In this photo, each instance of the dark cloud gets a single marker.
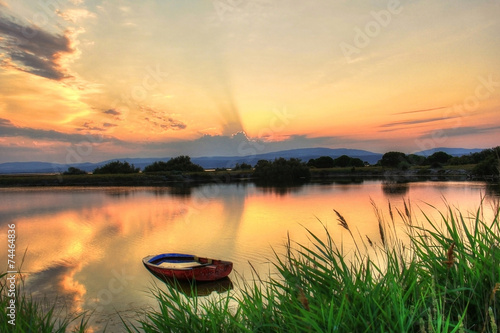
(423, 110)
(109, 125)
(460, 131)
(5, 122)
(89, 125)
(112, 112)
(7, 129)
(161, 120)
(32, 49)
(394, 126)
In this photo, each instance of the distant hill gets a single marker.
(212, 162)
(450, 151)
(305, 154)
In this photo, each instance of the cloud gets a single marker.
(423, 110)
(161, 120)
(460, 131)
(112, 112)
(7, 129)
(75, 15)
(240, 144)
(5, 122)
(89, 125)
(404, 123)
(33, 50)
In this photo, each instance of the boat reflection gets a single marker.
(197, 288)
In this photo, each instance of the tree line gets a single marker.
(486, 163)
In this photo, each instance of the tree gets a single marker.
(342, 161)
(281, 170)
(242, 166)
(321, 162)
(116, 167)
(438, 158)
(393, 159)
(357, 162)
(74, 171)
(416, 159)
(180, 163)
(490, 165)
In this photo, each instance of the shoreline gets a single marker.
(227, 176)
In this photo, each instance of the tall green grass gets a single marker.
(36, 316)
(442, 276)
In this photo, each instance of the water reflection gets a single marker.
(493, 189)
(391, 188)
(279, 190)
(198, 289)
(57, 282)
(85, 245)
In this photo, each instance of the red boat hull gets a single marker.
(205, 270)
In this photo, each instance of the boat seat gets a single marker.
(177, 265)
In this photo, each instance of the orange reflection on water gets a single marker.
(86, 245)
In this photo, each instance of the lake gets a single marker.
(84, 245)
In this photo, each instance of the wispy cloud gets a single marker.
(112, 112)
(33, 50)
(419, 111)
(161, 120)
(461, 131)
(8, 129)
(393, 126)
(76, 14)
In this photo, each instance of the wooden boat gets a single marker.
(181, 267)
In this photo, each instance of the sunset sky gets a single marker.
(85, 80)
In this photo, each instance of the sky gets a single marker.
(86, 81)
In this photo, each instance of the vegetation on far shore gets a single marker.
(444, 278)
(481, 165)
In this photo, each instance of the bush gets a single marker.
(321, 162)
(74, 171)
(242, 166)
(438, 158)
(281, 170)
(180, 163)
(116, 167)
(393, 159)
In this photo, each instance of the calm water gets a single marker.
(85, 245)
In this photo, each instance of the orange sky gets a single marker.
(93, 80)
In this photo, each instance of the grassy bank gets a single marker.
(446, 278)
(20, 313)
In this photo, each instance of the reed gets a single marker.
(446, 278)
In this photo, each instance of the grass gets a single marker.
(35, 316)
(444, 278)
